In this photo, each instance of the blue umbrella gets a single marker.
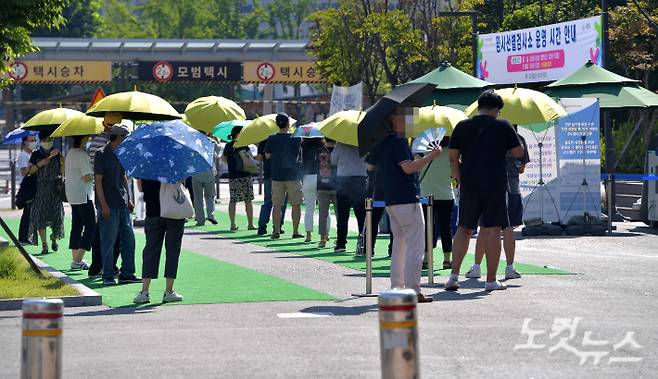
(17, 135)
(166, 151)
(308, 131)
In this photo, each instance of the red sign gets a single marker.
(265, 72)
(18, 71)
(163, 71)
(98, 95)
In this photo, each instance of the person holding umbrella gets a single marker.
(396, 166)
(478, 149)
(47, 163)
(240, 183)
(28, 144)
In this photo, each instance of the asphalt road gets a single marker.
(469, 334)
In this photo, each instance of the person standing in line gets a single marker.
(203, 185)
(115, 207)
(375, 189)
(515, 167)
(398, 169)
(436, 180)
(283, 149)
(326, 187)
(96, 144)
(79, 193)
(47, 210)
(266, 208)
(478, 148)
(28, 145)
(240, 183)
(310, 166)
(351, 176)
(158, 230)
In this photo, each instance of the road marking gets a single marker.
(305, 314)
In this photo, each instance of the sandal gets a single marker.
(234, 228)
(54, 243)
(44, 249)
(447, 265)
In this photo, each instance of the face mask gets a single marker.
(32, 145)
(47, 145)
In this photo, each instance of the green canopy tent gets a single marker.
(454, 88)
(615, 92)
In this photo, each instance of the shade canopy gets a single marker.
(611, 96)
(591, 74)
(448, 77)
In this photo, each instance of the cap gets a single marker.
(119, 130)
(112, 118)
(282, 120)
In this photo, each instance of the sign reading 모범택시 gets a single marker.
(168, 71)
(544, 53)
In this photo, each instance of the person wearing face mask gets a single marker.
(28, 145)
(79, 192)
(47, 210)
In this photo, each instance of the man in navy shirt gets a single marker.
(478, 149)
(397, 168)
(283, 149)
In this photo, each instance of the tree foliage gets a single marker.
(18, 20)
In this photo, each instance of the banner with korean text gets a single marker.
(281, 72)
(61, 71)
(571, 183)
(540, 54)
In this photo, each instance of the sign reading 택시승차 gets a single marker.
(26, 71)
(540, 54)
(168, 71)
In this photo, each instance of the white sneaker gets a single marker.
(494, 286)
(142, 298)
(452, 285)
(511, 273)
(474, 273)
(170, 297)
(82, 265)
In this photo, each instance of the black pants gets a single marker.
(24, 226)
(159, 230)
(441, 218)
(83, 226)
(351, 194)
(97, 259)
(377, 214)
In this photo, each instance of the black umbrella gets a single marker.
(373, 128)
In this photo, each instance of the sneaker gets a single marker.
(199, 224)
(82, 265)
(297, 235)
(54, 244)
(494, 286)
(511, 273)
(129, 279)
(261, 232)
(322, 244)
(275, 236)
(423, 299)
(339, 249)
(142, 298)
(95, 275)
(452, 285)
(474, 273)
(170, 297)
(109, 282)
(212, 220)
(447, 265)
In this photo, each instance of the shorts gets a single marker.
(515, 209)
(488, 209)
(291, 187)
(241, 189)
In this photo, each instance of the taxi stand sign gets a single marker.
(61, 71)
(281, 72)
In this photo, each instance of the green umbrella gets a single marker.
(613, 91)
(223, 129)
(454, 88)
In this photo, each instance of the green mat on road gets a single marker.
(201, 280)
(380, 263)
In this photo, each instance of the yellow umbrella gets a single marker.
(50, 119)
(435, 116)
(135, 105)
(79, 126)
(525, 106)
(207, 112)
(342, 127)
(259, 129)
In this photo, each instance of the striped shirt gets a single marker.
(97, 144)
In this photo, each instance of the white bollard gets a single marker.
(41, 353)
(398, 334)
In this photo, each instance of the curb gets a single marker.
(87, 297)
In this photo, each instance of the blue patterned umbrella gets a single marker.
(308, 131)
(166, 151)
(17, 135)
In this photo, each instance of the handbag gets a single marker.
(175, 202)
(249, 165)
(27, 191)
